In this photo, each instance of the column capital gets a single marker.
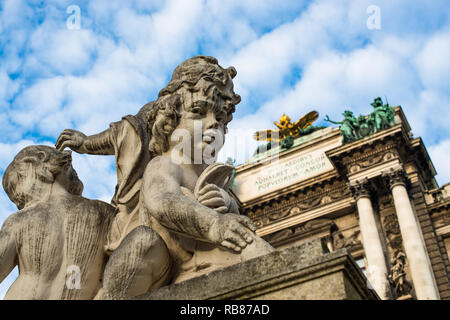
(394, 177)
(360, 188)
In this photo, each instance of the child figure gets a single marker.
(183, 198)
(57, 238)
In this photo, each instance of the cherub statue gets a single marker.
(347, 127)
(187, 203)
(57, 237)
(176, 219)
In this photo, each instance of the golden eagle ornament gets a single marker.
(286, 128)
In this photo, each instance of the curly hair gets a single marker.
(44, 163)
(162, 116)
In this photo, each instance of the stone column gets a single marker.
(420, 267)
(376, 263)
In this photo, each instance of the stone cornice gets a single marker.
(298, 203)
(315, 212)
(317, 227)
(396, 131)
(370, 152)
(438, 207)
(370, 157)
(395, 144)
(419, 155)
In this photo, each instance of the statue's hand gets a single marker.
(232, 231)
(327, 118)
(215, 198)
(72, 139)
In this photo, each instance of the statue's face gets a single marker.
(204, 117)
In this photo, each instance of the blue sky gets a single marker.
(291, 56)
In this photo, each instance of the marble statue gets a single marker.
(174, 217)
(57, 238)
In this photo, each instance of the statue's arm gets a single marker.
(8, 254)
(100, 143)
(162, 198)
(328, 120)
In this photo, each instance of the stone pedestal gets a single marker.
(303, 272)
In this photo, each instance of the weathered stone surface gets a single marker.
(57, 237)
(306, 271)
(171, 218)
(175, 218)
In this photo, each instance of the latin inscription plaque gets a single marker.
(279, 174)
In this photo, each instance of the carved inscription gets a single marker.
(280, 174)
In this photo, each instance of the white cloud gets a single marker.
(334, 82)
(9, 150)
(440, 156)
(97, 174)
(39, 100)
(8, 88)
(14, 12)
(433, 62)
(410, 69)
(62, 50)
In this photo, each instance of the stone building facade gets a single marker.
(375, 196)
